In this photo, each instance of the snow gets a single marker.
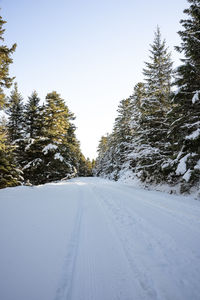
(187, 175)
(90, 238)
(197, 166)
(30, 141)
(48, 148)
(59, 156)
(181, 168)
(194, 135)
(33, 163)
(3, 115)
(195, 97)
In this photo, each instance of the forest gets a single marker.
(155, 137)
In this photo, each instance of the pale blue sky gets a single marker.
(91, 52)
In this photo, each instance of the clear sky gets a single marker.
(91, 52)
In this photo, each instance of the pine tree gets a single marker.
(85, 166)
(15, 113)
(34, 139)
(32, 115)
(138, 145)
(121, 136)
(52, 151)
(9, 174)
(185, 129)
(154, 107)
(132, 159)
(5, 61)
(15, 125)
(158, 73)
(101, 162)
(59, 148)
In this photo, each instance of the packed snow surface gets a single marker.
(93, 239)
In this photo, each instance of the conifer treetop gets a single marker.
(158, 70)
(5, 61)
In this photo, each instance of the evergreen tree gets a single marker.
(85, 166)
(56, 151)
(158, 73)
(132, 159)
(101, 163)
(32, 116)
(9, 174)
(5, 61)
(121, 136)
(34, 140)
(154, 106)
(51, 150)
(15, 124)
(138, 145)
(185, 129)
(15, 113)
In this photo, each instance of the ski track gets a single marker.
(138, 235)
(115, 242)
(64, 290)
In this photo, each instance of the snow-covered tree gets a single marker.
(121, 135)
(185, 129)
(54, 147)
(5, 61)
(9, 174)
(155, 103)
(15, 113)
(158, 73)
(32, 116)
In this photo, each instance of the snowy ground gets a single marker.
(92, 239)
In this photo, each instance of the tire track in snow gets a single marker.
(145, 282)
(100, 273)
(137, 235)
(191, 219)
(64, 290)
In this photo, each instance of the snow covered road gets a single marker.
(92, 239)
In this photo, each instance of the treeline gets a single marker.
(156, 135)
(37, 142)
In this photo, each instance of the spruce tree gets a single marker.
(132, 159)
(158, 72)
(9, 174)
(5, 61)
(154, 107)
(15, 125)
(101, 162)
(15, 113)
(121, 136)
(32, 123)
(60, 148)
(33, 141)
(84, 166)
(185, 128)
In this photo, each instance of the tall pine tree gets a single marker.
(32, 122)
(5, 61)
(15, 113)
(58, 148)
(9, 174)
(185, 129)
(154, 107)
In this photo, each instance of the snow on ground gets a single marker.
(93, 239)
